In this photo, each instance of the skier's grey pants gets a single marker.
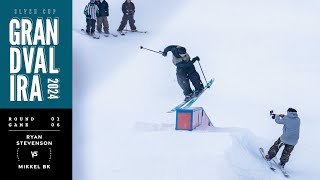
(102, 20)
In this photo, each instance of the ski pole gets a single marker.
(160, 52)
(203, 73)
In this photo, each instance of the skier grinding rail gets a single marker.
(186, 71)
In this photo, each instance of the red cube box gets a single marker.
(190, 118)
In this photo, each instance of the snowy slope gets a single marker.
(263, 54)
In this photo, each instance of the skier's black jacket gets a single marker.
(175, 53)
(128, 8)
(103, 8)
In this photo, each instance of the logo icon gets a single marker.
(34, 153)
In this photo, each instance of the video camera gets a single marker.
(272, 114)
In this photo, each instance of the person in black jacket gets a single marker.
(128, 10)
(185, 70)
(102, 16)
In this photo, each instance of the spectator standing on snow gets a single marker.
(91, 11)
(102, 19)
(128, 10)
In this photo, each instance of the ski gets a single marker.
(268, 162)
(177, 107)
(194, 99)
(94, 36)
(107, 35)
(284, 172)
(114, 35)
(135, 31)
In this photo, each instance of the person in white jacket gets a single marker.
(91, 11)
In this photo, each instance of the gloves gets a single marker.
(196, 58)
(164, 54)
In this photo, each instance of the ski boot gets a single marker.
(197, 92)
(95, 36)
(281, 164)
(120, 32)
(267, 157)
(188, 97)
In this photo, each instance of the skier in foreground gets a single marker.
(185, 71)
(289, 138)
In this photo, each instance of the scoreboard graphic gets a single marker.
(36, 89)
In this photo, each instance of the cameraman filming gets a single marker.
(289, 137)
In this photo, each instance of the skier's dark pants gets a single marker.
(124, 21)
(91, 25)
(186, 74)
(285, 153)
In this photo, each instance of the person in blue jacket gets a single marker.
(185, 70)
(289, 137)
